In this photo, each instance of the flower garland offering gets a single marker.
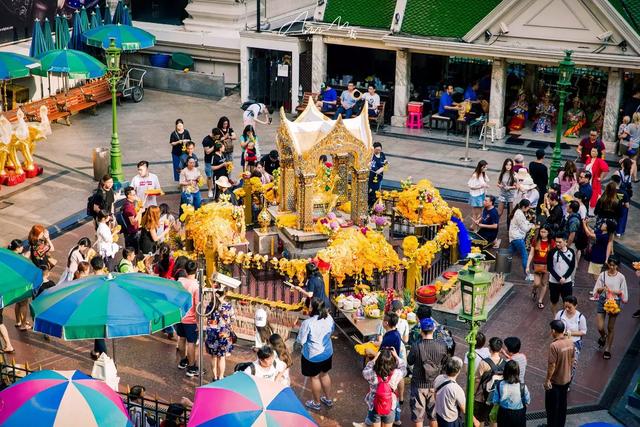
(424, 255)
(611, 306)
(328, 224)
(214, 224)
(636, 265)
(286, 220)
(357, 253)
(421, 203)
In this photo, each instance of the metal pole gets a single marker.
(116, 153)
(471, 373)
(200, 325)
(557, 153)
(466, 158)
(484, 139)
(257, 16)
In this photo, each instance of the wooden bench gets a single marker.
(11, 115)
(75, 101)
(56, 112)
(440, 119)
(305, 101)
(32, 110)
(97, 91)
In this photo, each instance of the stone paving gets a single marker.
(144, 130)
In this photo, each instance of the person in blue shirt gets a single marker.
(447, 107)
(317, 353)
(391, 337)
(584, 184)
(488, 223)
(328, 98)
(470, 92)
(347, 102)
(376, 171)
(314, 287)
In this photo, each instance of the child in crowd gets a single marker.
(166, 221)
(263, 329)
(250, 156)
(97, 266)
(266, 366)
(282, 354)
(391, 336)
(511, 351)
(46, 282)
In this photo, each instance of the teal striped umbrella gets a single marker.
(84, 19)
(48, 38)
(75, 42)
(77, 64)
(118, 14)
(111, 306)
(95, 21)
(38, 43)
(127, 38)
(19, 277)
(62, 32)
(15, 66)
(106, 18)
(126, 17)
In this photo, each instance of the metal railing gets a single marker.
(154, 409)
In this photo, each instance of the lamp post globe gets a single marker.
(565, 72)
(474, 286)
(112, 55)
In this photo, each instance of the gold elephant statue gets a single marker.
(23, 141)
(7, 156)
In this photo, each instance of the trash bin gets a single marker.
(101, 162)
(504, 260)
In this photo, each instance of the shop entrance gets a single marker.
(270, 77)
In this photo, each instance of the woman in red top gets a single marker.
(599, 169)
(540, 247)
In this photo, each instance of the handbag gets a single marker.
(233, 337)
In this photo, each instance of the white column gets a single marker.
(318, 62)
(295, 78)
(244, 72)
(612, 108)
(401, 89)
(497, 97)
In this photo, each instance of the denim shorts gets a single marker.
(207, 170)
(476, 201)
(373, 417)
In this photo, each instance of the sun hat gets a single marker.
(223, 181)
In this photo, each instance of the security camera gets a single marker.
(487, 35)
(605, 36)
(504, 28)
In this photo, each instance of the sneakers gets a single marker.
(193, 371)
(326, 401)
(636, 314)
(183, 363)
(210, 194)
(311, 404)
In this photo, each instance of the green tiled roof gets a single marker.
(444, 18)
(630, 11)
(361, 13)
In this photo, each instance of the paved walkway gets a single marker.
(144, 131)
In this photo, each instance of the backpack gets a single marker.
(242, 366)
(625, 184)
(487, 380)
(383, 399)
(246, 105)
(431, 369)
(90, 203)
(521, 391)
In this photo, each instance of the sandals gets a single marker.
(6, 351)
(606, 355)
(540, 305)
(26, 327)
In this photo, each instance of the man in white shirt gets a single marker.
(144, 181)
(266, 366)
(373, 100)
(450, 400)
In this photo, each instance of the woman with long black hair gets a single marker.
(518, 230)
(478, 184)
(507, 187)
(224, 133)
(77, 254)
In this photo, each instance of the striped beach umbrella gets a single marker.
(118, 305)
(38, 43)
(15, 66)
(243, 400)
(127, 38)
(61, 398)
(84, 19)
(19, 277)
(77, 64)
(48, 38)
(75, 42)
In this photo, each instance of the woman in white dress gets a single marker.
(77, 254)
(105, 245)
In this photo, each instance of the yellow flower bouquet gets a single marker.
(421, 203)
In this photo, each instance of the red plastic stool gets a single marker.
(414, 121)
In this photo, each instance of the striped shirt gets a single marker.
(430, 352)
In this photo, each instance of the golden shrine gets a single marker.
(301, 143)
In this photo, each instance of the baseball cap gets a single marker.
(261, 318)
(427, 324)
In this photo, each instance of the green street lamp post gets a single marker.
(565, 71)
(112, 54)
(474, 285)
